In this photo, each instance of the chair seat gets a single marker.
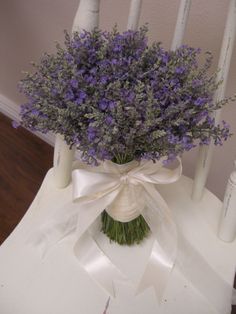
(56, 284)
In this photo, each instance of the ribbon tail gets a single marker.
(89, 255)
(157, 272)
(219, 293)
(97, 264)
(75, 216)
(163, 254)
(60, 225)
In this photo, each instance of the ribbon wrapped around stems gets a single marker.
(133, 185)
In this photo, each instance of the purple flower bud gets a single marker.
(82, 94)
(35, 112)
(69, 95)
(74, 83)
(111, 104)
(114, 61)
(54, 92)
(92, 152)
(103, 104)
(196, 83)
(91, 133)
(165, 58)
(69, 58)
(180, 70)
(15, 124)
(109, 120)
(200, 101)
(103, 79)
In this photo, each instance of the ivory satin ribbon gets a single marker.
(126, 191)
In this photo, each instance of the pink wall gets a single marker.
(29, 27)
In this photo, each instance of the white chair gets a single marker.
(57, 284)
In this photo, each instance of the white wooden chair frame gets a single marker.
(56, 284)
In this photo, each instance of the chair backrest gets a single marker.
(87, 17)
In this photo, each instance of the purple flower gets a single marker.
(180, 70)
(111, 104)
(69, 58)
(92, 152)
(205, 141)
(82, 96)
(104, 154)
(15, 124)
(74, 83)
(172, 139)
(165, 58)
(225, 124)
(91, 133)
(114, 61)
(93, 70)
(103, 104)
(171, 157)
(78, 101)
(91, 80)
(109, 120)
(196, 83)
(200, 101)
(131, 97)
(54, 91)
(35, 112)
(174, 81)
(80, 72)
(210, 120)
(104, 79)
(69, 95)
(117, 48)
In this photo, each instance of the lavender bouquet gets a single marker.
(114, 97)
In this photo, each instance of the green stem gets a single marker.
(125, 233)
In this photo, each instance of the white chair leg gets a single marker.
(134, 14)
(227, 225)
(62, 162)
(181, 22)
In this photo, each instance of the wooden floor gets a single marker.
(24, 161)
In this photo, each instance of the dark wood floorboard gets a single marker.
(24, 161)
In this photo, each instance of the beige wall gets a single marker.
(29, 27)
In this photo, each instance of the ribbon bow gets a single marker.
(125, 192)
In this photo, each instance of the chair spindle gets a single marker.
(206, 152)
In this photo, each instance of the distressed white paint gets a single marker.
(134, 14)
(227, 226)
(87, 18)
(62, 162)
(206, 152)
(181, 22)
